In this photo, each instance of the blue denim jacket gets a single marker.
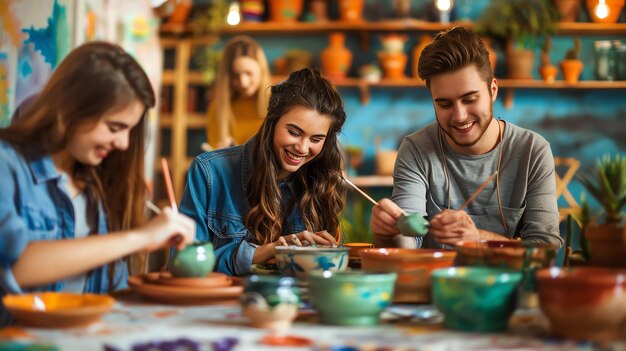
(35, 205)
(215, 196)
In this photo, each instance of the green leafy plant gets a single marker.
(573, 53)
(520, 21)
(607, 185)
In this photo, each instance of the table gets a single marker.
(135, 321)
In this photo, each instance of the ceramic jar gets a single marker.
(351, 10)
(194, 261)
(285, 10)
(392, 58)
(336, 58)
(270, 302)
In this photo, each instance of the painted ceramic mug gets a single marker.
(194, 261)
(270, 302)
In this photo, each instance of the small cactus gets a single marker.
(573, 53)
(545, 52)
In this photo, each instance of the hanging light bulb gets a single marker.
(601, 10)
(234, 16)
(444, 7)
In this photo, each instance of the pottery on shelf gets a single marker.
(194, 261)
(270, 302)
(285, 10)
(351, 10)
(424, 40)
(336, 58)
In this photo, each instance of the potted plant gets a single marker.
(547, 70)
(517, 24)
(571, 66)
(608, 186)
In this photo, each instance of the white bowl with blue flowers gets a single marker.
(299, 261)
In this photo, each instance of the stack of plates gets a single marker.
(161, 287)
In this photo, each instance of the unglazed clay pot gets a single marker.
(585, 303)
(413, 267)
(336, 58)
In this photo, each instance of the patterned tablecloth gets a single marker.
(404, 327)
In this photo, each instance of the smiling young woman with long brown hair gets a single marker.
(72, 168)
(282, 186)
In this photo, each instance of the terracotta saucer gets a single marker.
(295, 341)
(148, 287)
(213, 280)
(60, 310)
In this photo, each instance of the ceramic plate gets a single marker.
(147, 286)
(61, 310)
(213, 280)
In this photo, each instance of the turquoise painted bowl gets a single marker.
(194, 261)
(350, 298)
(298, 261)
(476, 298)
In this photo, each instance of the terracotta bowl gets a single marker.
(413, 267)
(499, 254)
(59, 310)
(299, 261)
(476, 298)
(584, 303)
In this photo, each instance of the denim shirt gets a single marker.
(35, 205)
(215, 196)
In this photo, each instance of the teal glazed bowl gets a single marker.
(194, 261)
(350, 298)
(298, 261)
(476, 298)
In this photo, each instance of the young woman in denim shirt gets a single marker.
(281, 187)
(72, 168)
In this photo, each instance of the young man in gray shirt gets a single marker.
(441, 165)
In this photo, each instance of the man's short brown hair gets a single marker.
(452, 50)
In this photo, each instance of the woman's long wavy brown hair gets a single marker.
(94, 79)
(320, 194)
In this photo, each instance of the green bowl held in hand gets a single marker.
(413, 224)
(194, 261)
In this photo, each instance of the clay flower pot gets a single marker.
(571, 70)
(548, 73)
(285, 10)
(606, 245)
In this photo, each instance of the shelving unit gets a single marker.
(182, 39)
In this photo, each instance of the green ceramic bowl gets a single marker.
(476, 298)
(413, 224)
(350, 298)
(194, 261)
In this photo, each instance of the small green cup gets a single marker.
(413, 224)
(194, 261)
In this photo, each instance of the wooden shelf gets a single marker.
(510, 84)
(280, 28)
(193, 120)
(372, 181)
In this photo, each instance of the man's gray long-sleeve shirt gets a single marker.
(527, 183)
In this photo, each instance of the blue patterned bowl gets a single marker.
(298, 261)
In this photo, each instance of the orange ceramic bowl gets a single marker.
(413, 267)
(356, 248)
(497, 254)
(584, 303)
(61, 310)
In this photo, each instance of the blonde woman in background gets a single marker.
(240, 94)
